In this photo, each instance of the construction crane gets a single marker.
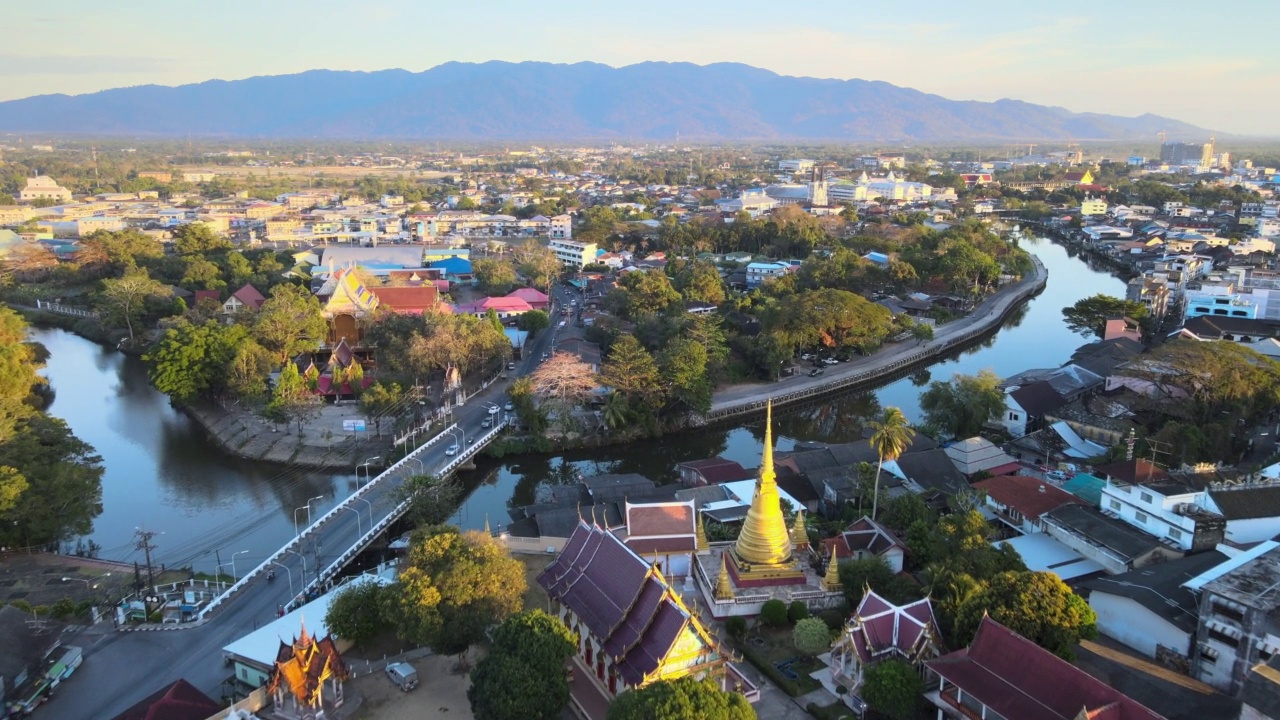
(1162, 134)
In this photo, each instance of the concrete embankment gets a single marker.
(890, 361)
(247, 436)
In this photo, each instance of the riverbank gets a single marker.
(322, 444)
(892, 359)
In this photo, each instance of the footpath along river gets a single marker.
(162, 474)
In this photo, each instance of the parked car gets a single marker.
(403, 675)
(508, 407)
(452, 450)
(816, 372)
(511, 366)
(830, 361)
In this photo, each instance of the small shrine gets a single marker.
(766, 561)
(308, 678)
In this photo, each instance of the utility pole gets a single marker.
(144, 544)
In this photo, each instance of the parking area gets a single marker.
(441, 694)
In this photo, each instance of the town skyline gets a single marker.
(1108, 61)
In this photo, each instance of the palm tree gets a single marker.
(891, 436)
(615, 410)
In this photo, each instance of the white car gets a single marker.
(453, 449)
(830, 361)
(508, 407)
(493, 409)
(807, 356)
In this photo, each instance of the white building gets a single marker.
(759, 272)
(44, 187)
(802, 165)
(561, 227)
(572, 253)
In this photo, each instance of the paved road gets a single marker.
(988, 312)
(122, 668)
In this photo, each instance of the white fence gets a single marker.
(60, 309)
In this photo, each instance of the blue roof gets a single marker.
(1086, 487)
(453, 265)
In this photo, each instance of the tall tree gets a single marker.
(379, 401)
(290, 322)
(198, 239)
(523, 676)
(291, 400)
(632, 371)
(684, 367)
(112, 252)
(535, 261)
(125, 298)
(682, 699)
(357, 613)
(643, 293)
(891, 435)
(893, 689)
(494, 277)
(964, 404)
(564, 380)
(1036, 605)
(64, 484)
(1088, 316)
(454, 586)
(192, 361)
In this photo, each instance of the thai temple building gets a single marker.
(879, 630)
(302, 671)
(768, 560)
(634, 628)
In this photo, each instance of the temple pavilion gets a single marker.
(768, 560)
(302, 670)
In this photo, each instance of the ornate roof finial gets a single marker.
(799, 534)
(703, 545)
(764, 539)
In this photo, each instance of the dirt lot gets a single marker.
(37, 578)
(442, 695)
(535, 596)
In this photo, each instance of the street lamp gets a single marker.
(358, 525)
(365, 465)
(366, 502)
(306, 507)
(304, 566)
(234, 574)
(288, 575)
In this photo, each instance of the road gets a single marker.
(122, 668)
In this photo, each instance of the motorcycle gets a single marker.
(271, 575)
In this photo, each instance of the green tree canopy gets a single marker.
(125, 299)
(379, 402)
(643, 293)
(533, 321)
(193, 361)
(198, 239)
(523, 676)
(1088, 316)
(961, 406)
(698, 281)
(290, 322)
(537, 264)
(494, 276)
(682, 699)
(63, 492)
(632, 371)
(684, 368)
(357, 612)
(1036, 605)
(893, 689)
(454, 586)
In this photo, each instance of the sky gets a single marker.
(1186, 59)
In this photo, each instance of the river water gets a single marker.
(163, 475)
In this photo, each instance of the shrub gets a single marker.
(833, 618)
(774, 613)
(811, 637)
(736, 626)
(797, 611)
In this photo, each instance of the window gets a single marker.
(1175, 534)
(1147, 498)
(1140, 517)
(1115, 504)
(1225, 639)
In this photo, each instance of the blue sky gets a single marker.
(1195, 61)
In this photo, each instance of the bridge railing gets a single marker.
(323, 576)
(295, 542)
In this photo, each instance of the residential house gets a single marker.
(246, 298)
(1102, 420)
(1018, 501)
(1026, 406)
(1257, 335)
(713, 471)
(504, 307)
(1146, 497)
(979, 455)
(633, 627)
(864, 539)
(1252, 511)
(760, 272)
(1239, 617)
(1112, 543)
(877, 631)
(1101, 358)
(537, 299)
(561, 227)
(1006, 676)
(663, 533)
(1150, 609)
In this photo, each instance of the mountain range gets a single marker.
(502, 101)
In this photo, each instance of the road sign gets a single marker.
(353, 426)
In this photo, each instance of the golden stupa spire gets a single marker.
(764, 539)
(724, 588)
(832, 579)
(703, 545)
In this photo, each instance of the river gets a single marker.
(163, 475)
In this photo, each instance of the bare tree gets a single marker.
(564, 380)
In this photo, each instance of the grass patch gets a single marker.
(766, 647)
(534, 596)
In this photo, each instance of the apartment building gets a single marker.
(1239, 617)
(572, 253)
(44, 187)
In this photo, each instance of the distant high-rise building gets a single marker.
(1184, 153)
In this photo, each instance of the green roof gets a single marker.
(1086, 487)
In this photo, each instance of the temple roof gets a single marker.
(178, 701)
(878, 627)
(622, 600)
